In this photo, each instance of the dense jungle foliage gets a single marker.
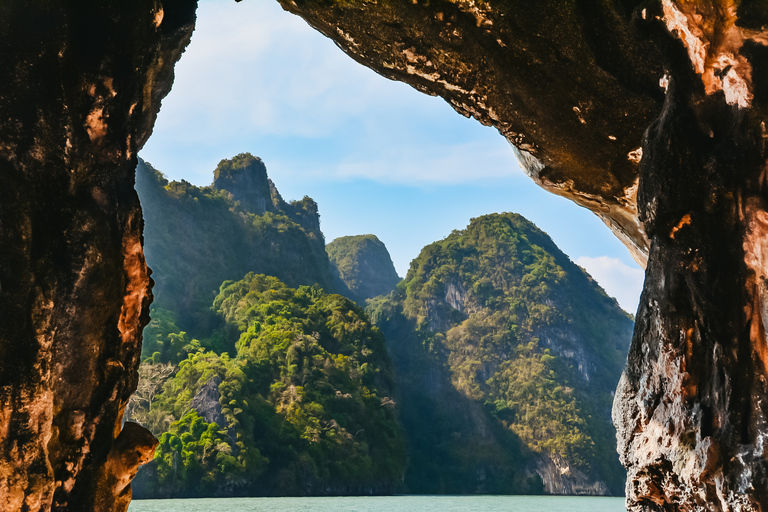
(198, 237)
(503, 353)
(363, 265)
(502, 318)
(304, 406)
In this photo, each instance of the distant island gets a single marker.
(277, 365)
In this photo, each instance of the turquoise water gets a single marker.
(387, 504)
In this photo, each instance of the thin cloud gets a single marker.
(619, 280)
(251, 66)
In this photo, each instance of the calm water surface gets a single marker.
(387, 504)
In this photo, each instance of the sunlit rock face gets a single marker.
(691, 408)
(651, 114)
(80, 86)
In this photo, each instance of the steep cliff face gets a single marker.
(81, 85)
(691, 407)
(245, 178)
(525, 343)
(198, 237)
(363, 266)
(560, 476)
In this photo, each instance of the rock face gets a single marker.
(81, 86)
(560, 477)
(496, 326)
(198, 237)
(363, 265)
(245, 177)
(651, 114)
(206, 402)
(691, 408)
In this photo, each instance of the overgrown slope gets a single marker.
(497, 322)
(363, 266)
(198, 237)
(303, 408)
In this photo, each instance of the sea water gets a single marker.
(387, 504)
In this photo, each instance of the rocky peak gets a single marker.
(245, 177)
(363, 266)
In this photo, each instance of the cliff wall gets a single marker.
(81, 86)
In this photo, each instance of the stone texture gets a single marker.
(690, 410)
(651, 114)
(206, 402)
(81, 86)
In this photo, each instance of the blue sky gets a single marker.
(377, 156)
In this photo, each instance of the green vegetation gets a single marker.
(512, 325)
(198, 237)
(363, 267)
(303, 408)
(196, 451)
(504, 354)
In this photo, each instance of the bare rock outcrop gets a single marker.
(559, 477)
(206, 402)
(81, 84)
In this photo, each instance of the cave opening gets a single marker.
(355, 142)
(650, 114)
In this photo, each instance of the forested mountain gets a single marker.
(363, 266)
(303, 407)
(490, 369)
(506, 355)
(197, 237)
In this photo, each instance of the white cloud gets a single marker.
(619, 280)
(251, 66)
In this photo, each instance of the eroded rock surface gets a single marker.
(690, 409)
(81, 86)
(574, 85)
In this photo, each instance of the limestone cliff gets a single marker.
(199, 237)
(363, 267)
(506, 354)
(81, 84)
